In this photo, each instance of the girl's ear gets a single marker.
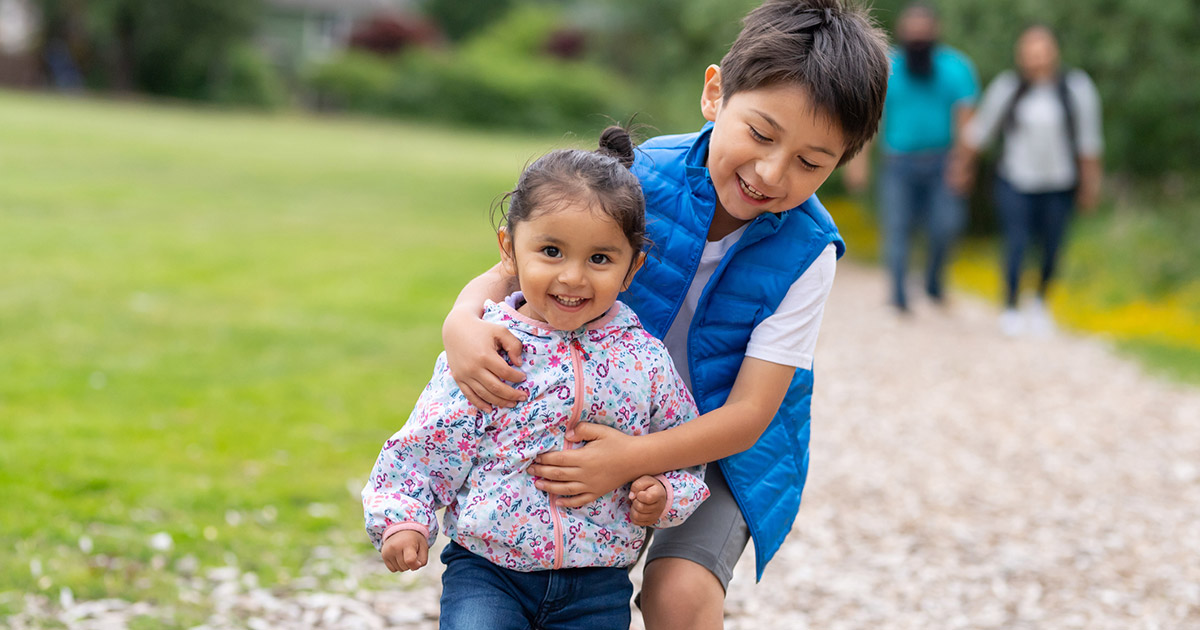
(638, 261)
(710, 96)
(508, 262)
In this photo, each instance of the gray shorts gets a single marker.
(714, 536)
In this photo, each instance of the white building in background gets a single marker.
(20, 22)
(297, 32)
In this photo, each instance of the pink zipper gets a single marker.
(576, 413)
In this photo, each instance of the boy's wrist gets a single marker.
(639, 458)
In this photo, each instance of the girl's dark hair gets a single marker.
(832, 49)
(601, 176)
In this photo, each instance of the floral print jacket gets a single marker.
(450, 454)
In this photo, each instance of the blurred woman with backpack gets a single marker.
(1048, 120)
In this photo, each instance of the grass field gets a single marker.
(209, 324)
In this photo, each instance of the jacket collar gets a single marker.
(618, 319)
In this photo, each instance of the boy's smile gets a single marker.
(769, 150)
(571, 263)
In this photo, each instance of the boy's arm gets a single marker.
(473, 346)
(613, 459)
(673, 406)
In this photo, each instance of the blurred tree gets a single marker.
(181, 48)
(664, 46)
(460, 19)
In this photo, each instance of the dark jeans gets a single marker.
(914, 195)
(478, 595)
(1024, 217)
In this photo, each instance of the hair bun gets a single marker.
(616, 142)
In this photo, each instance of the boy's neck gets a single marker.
(722, 224)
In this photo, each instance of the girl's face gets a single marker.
(571, 262)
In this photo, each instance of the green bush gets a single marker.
(1134, 254)
(250, 80)
(498, 79)
(355, 81)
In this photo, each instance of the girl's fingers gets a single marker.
(642, 483)
(412, 560)
(423, 554)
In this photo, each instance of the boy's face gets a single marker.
(769, 151)
(571, 262)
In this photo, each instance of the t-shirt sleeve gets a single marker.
(967, 82)
(789, 335)
(1088, 124)
(983, 125)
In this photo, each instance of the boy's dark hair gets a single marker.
(833, 50)
(603, 176)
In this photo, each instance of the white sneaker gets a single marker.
(1011, 323)
(1041, 323)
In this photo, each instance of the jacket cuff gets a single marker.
(404, 527)
(666, 482)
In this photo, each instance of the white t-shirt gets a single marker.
(787, 337)
(1037, 151)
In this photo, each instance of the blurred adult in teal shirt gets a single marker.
(931, 94)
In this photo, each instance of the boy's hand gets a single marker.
(649, 501)
(581, 475)
(473, 349)
(405, 551)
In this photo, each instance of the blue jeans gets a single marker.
(1023, 217)
(478, 595)
(914, 195)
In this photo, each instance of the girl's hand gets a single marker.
(473, 349)
(580, 476)
(648, 498)
(405, 551)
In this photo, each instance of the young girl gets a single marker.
(572, 237)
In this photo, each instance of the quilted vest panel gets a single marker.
(746, 288)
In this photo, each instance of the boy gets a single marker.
(742, 261)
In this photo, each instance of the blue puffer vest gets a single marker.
(746, 288)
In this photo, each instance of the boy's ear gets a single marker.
(507, 261)
(638, 261)
(710, 97)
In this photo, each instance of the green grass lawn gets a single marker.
(209, 324)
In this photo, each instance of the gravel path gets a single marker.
(959, 479)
